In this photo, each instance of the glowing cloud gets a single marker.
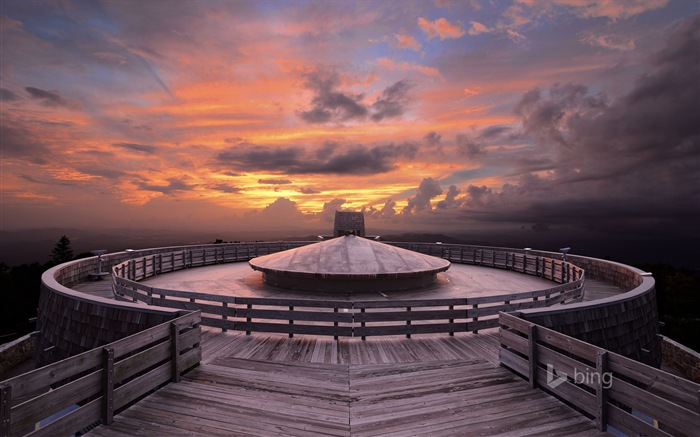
(440, 28)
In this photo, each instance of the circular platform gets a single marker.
(237, 279)
(349, 264)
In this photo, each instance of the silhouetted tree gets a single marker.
(62, 251)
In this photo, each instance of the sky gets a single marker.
(576, 117)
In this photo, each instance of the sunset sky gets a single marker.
(554, 115)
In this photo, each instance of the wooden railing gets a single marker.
(615, 391)
(76, 393)
(144, 266)
(349, 318)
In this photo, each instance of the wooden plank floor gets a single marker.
(374, 350)
(264, 385)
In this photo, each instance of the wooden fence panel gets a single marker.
(87, 381)
(612, 381)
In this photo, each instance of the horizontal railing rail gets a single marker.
(615, 391)
(170, 260)
(71, 395)
(348, 318)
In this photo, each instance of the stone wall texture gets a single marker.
(627, 324)
(682, 358)
(15, 353)
(70, 322)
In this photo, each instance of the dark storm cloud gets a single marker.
(46, 180)
(644, 144)
(450, 201)
(493, 132)
(330, 104)
(19, 141)
(226, 188)
(331, 158)
(469, 147)
(477, 194)
(231, 173)
(49, 98)
(427, 189)
(308, 190)
(105, 172)
(251, 157)
(627, 166)
(392, 101)
(359, 160)
(274, 181)
(174, 185)
(433, 139)
(142, 148)
(7, 95)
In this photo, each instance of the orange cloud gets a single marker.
(441, 28)
(477, 28)
(613, 9)
(407, 42)
(408, 66)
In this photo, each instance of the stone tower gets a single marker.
(349, 223)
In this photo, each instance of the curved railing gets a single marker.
(533, 336)
(613, 390)
(634, 311)
(349, 318)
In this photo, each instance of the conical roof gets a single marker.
(349, 263)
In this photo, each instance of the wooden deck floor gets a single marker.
(264, 385)
(429, 385)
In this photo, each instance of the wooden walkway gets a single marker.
(271, 385)
(265, 385)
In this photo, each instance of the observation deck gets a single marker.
(252, 361)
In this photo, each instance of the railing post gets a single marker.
(408, 322)
(362, 310)
(5, 406)
(452, 333)
(107, 386)
(335, 324)
(175, 351)
(532, 354)
(552, 270)
(224, 317)
(249, 319)
(475, 319)
(291, 321)
(601, 392)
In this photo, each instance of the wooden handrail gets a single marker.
(301, 316)
(613, 390)
(79, 391)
